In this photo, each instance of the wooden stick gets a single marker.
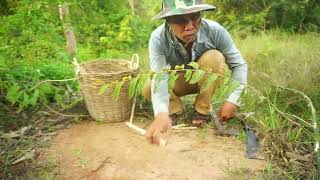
(183, 128)
(136, 128)
(133, 107)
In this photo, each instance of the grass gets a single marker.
(283, 59)
(288, 60)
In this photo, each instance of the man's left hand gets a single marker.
(227, 111)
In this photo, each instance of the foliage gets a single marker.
(32, 38)
(192, 76)
(30, 46)
(113, 32)
(255, 15)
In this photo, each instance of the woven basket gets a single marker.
(96, 73)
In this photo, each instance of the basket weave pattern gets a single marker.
(93, 75)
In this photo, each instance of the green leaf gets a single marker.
(34, 98)
(43, 97)
(188, 75)
(197, 75)
(103, 89)
(46, 88)
(142, 80)
(104, 39)
(172, 79)
(151, 75)
(59, 99)
(230, 87)
(195, 65)
(209, 80)
(177, 67)
(157, 80)
(166, 69)
(117, 89)
(1, 81)
(25, 102)
(233, 86)
(132, 87)
(14, 93)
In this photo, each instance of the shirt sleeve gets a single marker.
(160, 98)
(234, 61)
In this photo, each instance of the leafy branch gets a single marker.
(191, 76)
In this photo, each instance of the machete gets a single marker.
(253, 144)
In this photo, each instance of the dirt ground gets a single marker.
(91, 150)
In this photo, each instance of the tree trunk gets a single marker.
(131, 2)
(71, 46)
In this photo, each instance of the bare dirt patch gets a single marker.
(90, 150)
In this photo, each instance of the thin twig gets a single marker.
(146, 114)
(59, 80)
(297, 117)
(184, 128)
(20, 155)
(103, 163)
(66, 115)
(72, 104)
(310, 104)
(269, 102)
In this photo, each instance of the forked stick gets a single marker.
(136, 128)
(143, 132)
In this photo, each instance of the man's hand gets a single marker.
(227, 111)
(161, 124)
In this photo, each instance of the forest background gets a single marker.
(278, 38)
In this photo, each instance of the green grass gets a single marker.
(282, 59)
(285, 60)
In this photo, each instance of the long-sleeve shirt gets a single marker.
(166, 51)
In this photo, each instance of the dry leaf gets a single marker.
(296, 156)
(23, 130)
(10, 135)
(28, 155)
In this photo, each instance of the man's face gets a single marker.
(186, 26)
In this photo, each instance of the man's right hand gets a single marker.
(161, 124)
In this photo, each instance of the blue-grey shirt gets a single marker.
(166, 51)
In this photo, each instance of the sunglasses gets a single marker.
(184, 20)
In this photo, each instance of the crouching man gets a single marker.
(183, 38)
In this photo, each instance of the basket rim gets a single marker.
(135, 68)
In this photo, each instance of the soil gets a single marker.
(91, 150)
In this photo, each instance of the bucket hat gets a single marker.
(179, 7)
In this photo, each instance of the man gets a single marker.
(183, 38)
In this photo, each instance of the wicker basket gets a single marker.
(96, 73)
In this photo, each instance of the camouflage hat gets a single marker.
(179, 7)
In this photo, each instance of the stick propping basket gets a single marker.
(135, 61)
